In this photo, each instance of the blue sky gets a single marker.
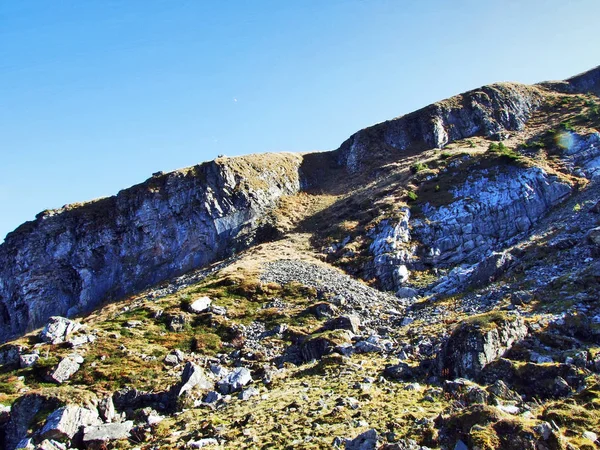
(96, 95)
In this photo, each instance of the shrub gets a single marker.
(418, 167)
(412, 196)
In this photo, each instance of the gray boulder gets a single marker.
(66, 368)
(477, 342)
(58, 329)
(28, 360)
(65, 422)
(106, 409)
(49, 444)
(106, 432)
(200, 305)
(201, 443)
(237, 379)
(22, 415)
(79, 340)
(349, 322)
(193, 377)
(364, 441)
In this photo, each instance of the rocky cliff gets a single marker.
(69, 260)
(489, 337)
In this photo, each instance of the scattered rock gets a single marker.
(364, 441)
(200, 305)
(350, 323)
(177, 322)
(192, 377)
(174, 358)
(477, 342)
(58, 329)
(234, 381)
(400, 372)
(65, 422)
(28, 360)
(590, 435)
(407, 292)
(593, 236)
(79, 340)
(206, 442)
(65, 369)
(102, 433)
(106, 409)
(212, 397)
(323, 310)
(248, 393)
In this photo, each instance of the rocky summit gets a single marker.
(432, 283)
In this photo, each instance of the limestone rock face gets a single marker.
(487, 211)
(473, 345)
(69, 260)
(486, 111)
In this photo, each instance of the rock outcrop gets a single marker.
(478, 342)
(69, 260)
(488, 111)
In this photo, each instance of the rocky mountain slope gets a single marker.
(431, 283)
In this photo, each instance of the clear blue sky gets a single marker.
(96, 95)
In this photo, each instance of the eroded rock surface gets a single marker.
(69, 260)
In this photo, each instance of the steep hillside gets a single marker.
(432, 283)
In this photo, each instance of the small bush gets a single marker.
(8, 388)
(418, 167)
(412, 196)
(445, 155)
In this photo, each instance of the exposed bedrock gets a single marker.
(69, 260)
(488, 111)
(488, 210)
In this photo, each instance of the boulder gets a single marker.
(477, 342)
(193, 376)
(235, 380)
(81, 339)
(364, 441)
(201, 443)
(593, 236)
(212, 397)
(248, 393)
(10, 355)
(177, 322)
(174, 358)
(200, 305)
(323, 310)
(500, 390)
(101, 433)
(106, 409)
(349, 322)
(323, 344)
(65, 369)
(407, 292)
(49, 444)
(28, 360)
(400, 372)
(22, 415)
(58, 329)
(65, 422)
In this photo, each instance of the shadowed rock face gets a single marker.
(69, 260)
